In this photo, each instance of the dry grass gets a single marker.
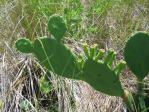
(20, 81)
(20, 73)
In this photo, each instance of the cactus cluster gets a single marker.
(51, 53)
(98, 73)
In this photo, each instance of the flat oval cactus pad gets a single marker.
(102, 78)
(57, 26)
(56, 57)
(24, 45)
(136, 54)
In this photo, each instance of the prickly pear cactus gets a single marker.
(51, 53)
(57, 57)
(136, 54)
(100, 74)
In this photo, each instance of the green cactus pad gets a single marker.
(102, 78)
(24, 45)
(136, 54)
(56, 57)
(57, 26)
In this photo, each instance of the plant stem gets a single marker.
(129, 101)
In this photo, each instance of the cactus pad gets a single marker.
(24, 45)
(57, 26)
(56, 57)
(136, 53)
(102, 78)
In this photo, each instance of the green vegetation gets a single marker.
(25, 105)
(45, 85)
(136, 56)
(107, 23)
(99, 74)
